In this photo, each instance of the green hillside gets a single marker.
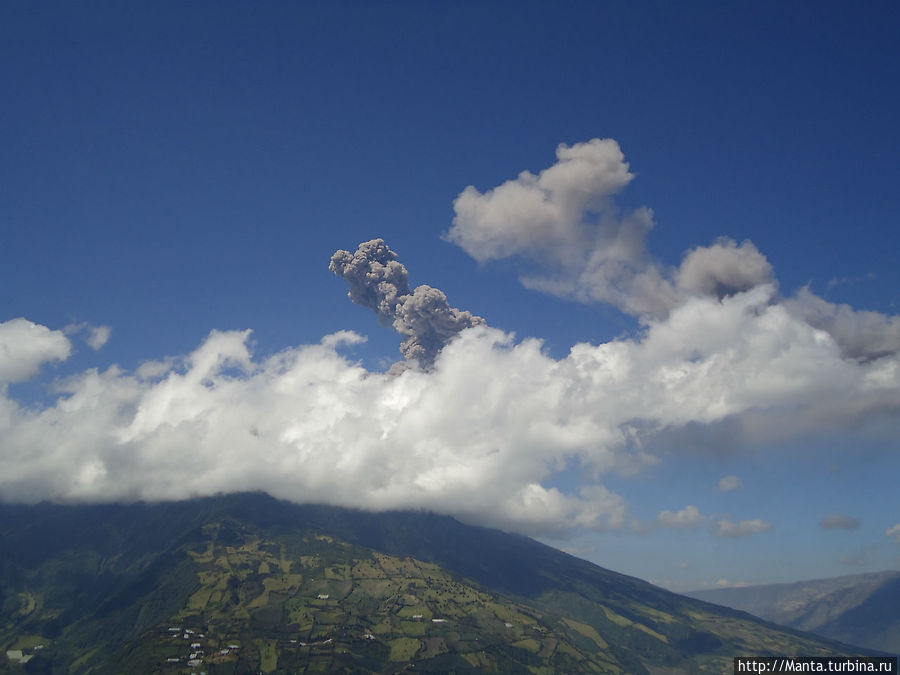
(246, 584)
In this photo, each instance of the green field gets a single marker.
(233, 596)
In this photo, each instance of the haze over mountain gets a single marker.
(860, 609)
(244, 583)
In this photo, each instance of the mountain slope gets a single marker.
(862, 609)
(244, 583)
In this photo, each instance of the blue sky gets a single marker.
(173, 169)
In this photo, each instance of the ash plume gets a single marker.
(379, 281)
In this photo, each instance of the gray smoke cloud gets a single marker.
(860, 334)
(724, 268)
(379, 281)
(581, 245)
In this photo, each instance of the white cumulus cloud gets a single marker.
(26, 346)
(95, 336)
(471, 438)
(688, 517)
(98, 336)
(726, 528)
(893, 532)
(729, 483)
(479, 436)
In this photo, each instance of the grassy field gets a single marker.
(310, 605)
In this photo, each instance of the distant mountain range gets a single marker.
(245, 584)
(861, 609)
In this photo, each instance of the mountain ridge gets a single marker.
(857, 608)
(315, 588)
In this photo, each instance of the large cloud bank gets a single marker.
(481, 421)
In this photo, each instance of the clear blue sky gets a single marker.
(169, 169)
